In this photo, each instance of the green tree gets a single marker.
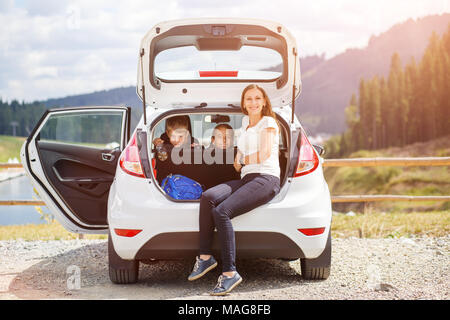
(413, 119)
(428, 96)
(412, 104)
(374, 111)
(364, 115)
(353, 124)
(385, 105)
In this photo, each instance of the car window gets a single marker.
(184, 63)
(95, 129)
(210, 121)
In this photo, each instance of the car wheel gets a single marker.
(121, 271)
(318, 268)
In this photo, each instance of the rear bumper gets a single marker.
(170, 229)
(175, 245)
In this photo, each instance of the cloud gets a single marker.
(45, 7)
(6, 5)
(58, 48)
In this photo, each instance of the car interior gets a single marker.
(197, 167)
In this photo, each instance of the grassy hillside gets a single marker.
(10, 147)
(425, 181)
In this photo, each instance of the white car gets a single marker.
(96, 177)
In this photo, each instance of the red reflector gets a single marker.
(312, 231)
(218, 74)
(127, 232)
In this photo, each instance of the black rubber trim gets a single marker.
(127, 114)
(176, 245)
(141, 139)
(218, 80)
(295, 152)
(324, 260)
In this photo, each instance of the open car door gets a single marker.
(71, 158)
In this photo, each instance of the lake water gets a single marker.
(18, 189)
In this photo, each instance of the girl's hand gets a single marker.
(237, 165)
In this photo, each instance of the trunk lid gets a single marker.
(214, 36)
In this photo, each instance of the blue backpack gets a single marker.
(181, 187)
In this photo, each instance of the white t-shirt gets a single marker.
(248, 143)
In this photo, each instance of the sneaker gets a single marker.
(201, 267)
(226, 284)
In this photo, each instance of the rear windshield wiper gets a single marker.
(202, 105)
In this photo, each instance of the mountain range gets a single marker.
(328, 84)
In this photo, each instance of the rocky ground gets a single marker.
(404, 268)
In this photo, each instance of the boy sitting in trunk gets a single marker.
(177, 132)
(177, 135)
(219, 157)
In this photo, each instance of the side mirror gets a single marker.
(320, 150)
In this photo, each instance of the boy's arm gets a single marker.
(158, 141)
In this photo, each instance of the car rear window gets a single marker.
(186, 63)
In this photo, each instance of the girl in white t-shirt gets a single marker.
(257, 161)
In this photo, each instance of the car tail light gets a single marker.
(312, 231)
(130, 161)
(307, 158)
(127, 232)
(205, 74)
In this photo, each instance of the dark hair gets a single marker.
(219, 126)
(222, 125)
(177, 122)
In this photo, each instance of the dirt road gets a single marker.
(415, 268)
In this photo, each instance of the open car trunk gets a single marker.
(202, 162)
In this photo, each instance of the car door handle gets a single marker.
(108, 156)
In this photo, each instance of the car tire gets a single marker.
(318, 268)
(121, 271)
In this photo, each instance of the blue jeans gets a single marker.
(223, 202)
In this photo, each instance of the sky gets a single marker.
(55, 48)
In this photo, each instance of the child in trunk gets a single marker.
(177, 135)
(219, 157)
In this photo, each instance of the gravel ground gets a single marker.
(416, 268)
